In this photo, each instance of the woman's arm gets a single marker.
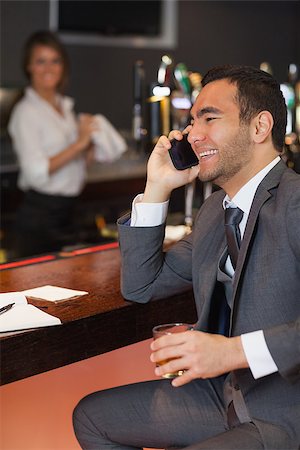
(82, 144)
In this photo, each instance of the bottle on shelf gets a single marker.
(288, 92)
(266, 67)
(181, 97)
(195, 80)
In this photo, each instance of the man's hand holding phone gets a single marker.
(162, 176)
(182, 154)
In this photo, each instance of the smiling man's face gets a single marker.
(221, 142)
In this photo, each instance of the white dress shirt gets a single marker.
(257, 353)
(39, 132)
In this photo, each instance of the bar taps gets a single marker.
(164, 75)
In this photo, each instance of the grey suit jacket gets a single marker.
(266, 288)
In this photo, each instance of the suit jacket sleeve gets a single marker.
(147, 272)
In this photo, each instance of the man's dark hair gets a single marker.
(47, 39)
(256, 91)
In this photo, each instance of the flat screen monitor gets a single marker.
(133, 23)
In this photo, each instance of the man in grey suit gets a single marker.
(241, 387)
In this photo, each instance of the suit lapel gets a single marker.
(263, 193)
(211, 244)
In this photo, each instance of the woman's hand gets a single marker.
(199, 354)
(162, 177)
(86, 126)
(90, 154)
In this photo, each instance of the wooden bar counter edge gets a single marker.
(94, 324)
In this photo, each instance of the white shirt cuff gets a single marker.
(148, 214)
(258, 355)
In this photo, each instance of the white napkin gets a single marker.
(53, 293)
(109, 144)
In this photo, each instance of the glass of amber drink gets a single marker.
(170, 328)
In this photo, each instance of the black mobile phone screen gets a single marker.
(182, 154)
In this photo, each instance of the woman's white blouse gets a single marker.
(39, 132)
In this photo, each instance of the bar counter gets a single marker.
(92, 324)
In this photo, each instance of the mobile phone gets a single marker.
(182, 154)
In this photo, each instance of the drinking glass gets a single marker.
(170, 328)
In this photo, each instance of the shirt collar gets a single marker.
(67, 103)
(244, 197)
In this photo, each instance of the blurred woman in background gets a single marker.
(53, 149)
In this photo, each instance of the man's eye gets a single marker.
(208, 119)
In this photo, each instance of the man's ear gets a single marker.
(262, 126)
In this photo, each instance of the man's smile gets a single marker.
(207, 153)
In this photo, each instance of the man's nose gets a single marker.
(196, 135)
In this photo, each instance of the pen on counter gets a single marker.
(6, 308)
